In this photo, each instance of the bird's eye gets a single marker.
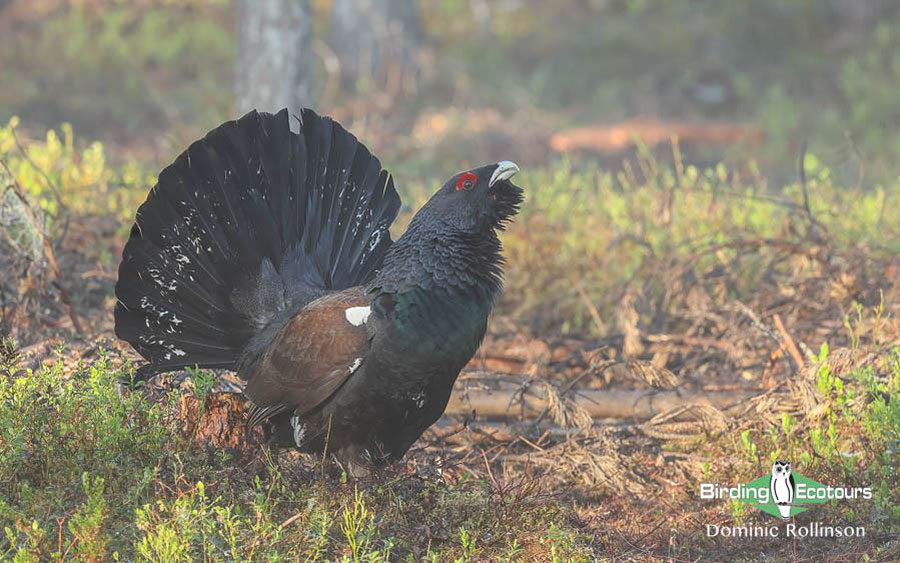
(466, 181)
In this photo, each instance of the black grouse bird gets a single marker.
(267, 252)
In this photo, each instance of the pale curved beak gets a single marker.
(505, 170)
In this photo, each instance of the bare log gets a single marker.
(620, 404)
(621, 136)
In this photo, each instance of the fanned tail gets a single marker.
(249, 224)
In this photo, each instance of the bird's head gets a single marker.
(476, 200)
(452, 240)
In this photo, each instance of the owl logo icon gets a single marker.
(781, 485)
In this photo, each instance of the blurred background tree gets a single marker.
(375, 42)
(275, 66)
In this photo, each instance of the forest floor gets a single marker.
(582, 429)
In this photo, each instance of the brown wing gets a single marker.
(310, 358)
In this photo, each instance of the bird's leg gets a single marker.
(358, 471)
(354, 465)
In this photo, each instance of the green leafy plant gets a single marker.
(87, 523)
(203, 382)
(749, 448)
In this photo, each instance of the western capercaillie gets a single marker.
(267, 252)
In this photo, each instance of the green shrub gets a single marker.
(586, 233)
(62, 179)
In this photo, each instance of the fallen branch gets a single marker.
(64, 295)
(600, 404)
(788, 342)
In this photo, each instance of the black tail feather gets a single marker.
(244, 228)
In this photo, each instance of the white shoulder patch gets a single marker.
(357, 315)
(356, 363)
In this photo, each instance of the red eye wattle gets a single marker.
(466, 181)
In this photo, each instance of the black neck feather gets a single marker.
(438, 257)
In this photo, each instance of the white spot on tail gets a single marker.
(357, 316)
(374, 240)
(419, 399)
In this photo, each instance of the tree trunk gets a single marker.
(376, 41)
(275, 63)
